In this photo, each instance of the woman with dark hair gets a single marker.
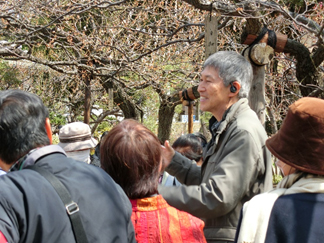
(294, 211)
(131, 155)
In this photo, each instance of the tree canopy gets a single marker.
(74, 54)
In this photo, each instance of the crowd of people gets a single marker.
(133, 189)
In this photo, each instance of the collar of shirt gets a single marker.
(214, 124)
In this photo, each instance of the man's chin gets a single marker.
(202, 108)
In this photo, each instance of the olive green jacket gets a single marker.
(237, 166)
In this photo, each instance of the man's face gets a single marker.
(214, 96)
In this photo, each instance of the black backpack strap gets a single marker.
(72, 208)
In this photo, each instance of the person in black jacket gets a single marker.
(30, 208)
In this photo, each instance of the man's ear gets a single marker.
(4, 166)
(48, 130)
(237, 87)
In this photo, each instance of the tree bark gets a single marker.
(190, 117)
(306, 70)
(123, 101)
(260, 55)
(257, 93)
(87, 99)
(166, 113)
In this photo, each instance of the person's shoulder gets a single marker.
(7, 182)
(179, 214)
(88, 176)
(249, 124)
(190, 223)
(14, 178)
(191, 218)
(247, 117)
(95, 161)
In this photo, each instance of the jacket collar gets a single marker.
(231, 113)
(34, 155)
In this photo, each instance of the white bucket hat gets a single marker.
(76, 136)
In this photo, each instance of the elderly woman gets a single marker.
(294, 211)
(131, 154)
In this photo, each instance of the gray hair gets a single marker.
(232, 66)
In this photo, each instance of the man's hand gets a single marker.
(167, 154)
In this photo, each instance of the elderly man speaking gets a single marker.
(236, 165)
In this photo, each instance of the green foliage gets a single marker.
(102, 127)
(178, 111)
(57, 118)
(276, 179)
(205, 116)
(55, 139)
(9, 76)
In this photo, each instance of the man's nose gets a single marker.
(201, 87)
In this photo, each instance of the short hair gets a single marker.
(195, 143)
(22, 124)
(232, 66)
(131, 154)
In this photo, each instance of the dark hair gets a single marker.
(105, 133)
(195, 142)
(201, 138)
(97, 148)
(131, 155)
(22, 124)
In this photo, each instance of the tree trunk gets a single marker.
(87, 99)
(306, 70)
(166, 113)
(123, 101)
(257, 93)
(259, 55)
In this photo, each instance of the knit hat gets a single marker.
(300, 140)
(76, 136)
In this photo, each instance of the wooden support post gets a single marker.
(260, 55)
(87, 99)
(257, 93)
(211, 35)
(110, 99)
(190, 117)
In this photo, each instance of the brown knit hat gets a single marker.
(300, 140)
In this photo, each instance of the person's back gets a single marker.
(30, 208)
(156, 221)
(40, 213)
(305, 212)
(293, 212)
(131, 154)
